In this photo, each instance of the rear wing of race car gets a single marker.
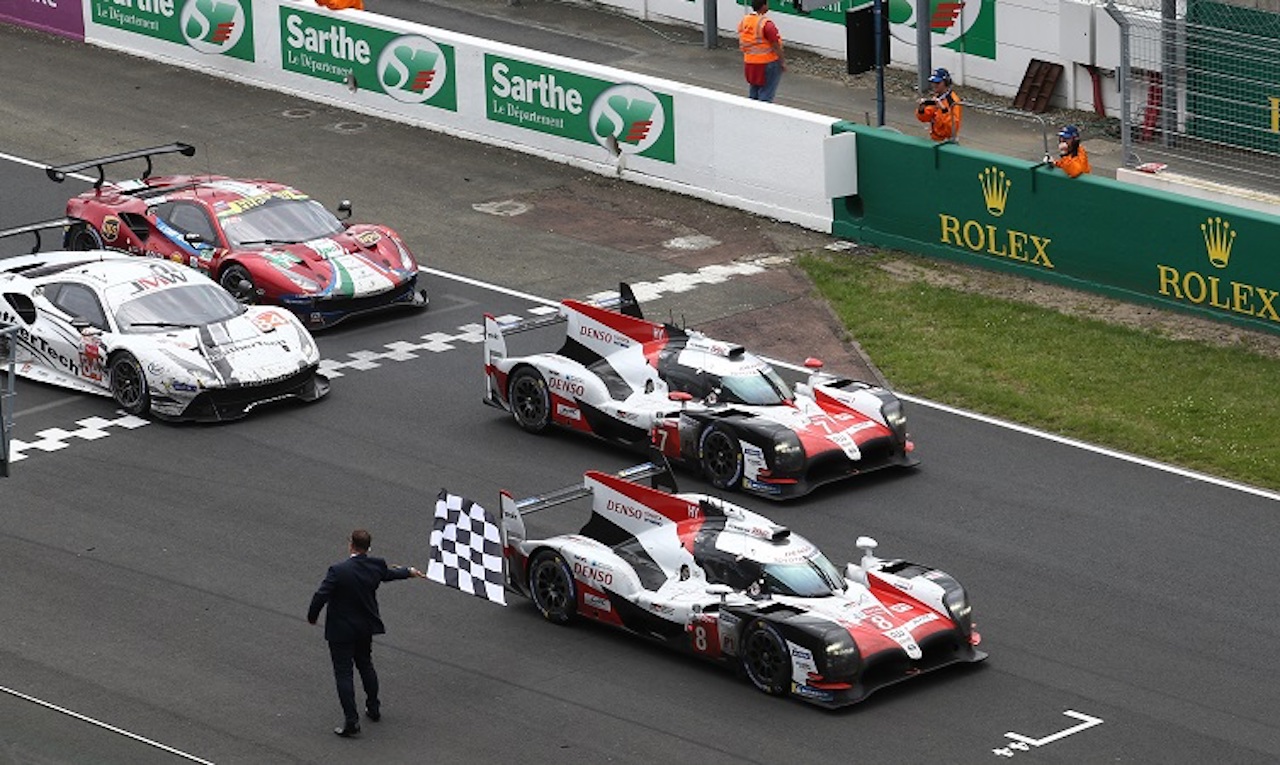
(35, 228)
(496, 329)
(59, 174)
(514, 510)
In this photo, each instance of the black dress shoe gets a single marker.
(373, 716)
(348, 730)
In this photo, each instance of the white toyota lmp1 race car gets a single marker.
(159, 337)
(710, 578)
(707, 404)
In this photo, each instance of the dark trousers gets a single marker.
(359, 653)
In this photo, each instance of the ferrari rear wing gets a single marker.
(514, 510)
(35, 228)
(59, 174)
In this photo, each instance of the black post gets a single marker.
(877, 12)
(710, 25)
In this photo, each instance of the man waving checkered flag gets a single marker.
(466, 549)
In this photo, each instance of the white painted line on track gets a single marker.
(104, 726)
(43, 165)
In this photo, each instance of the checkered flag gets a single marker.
(466, 549)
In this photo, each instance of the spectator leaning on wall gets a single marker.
(1072, 158)
(941, 109)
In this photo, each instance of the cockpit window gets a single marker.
(762, 388)
(813, 577)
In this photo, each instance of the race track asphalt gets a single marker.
(155, 579)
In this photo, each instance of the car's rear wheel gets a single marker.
(129, 384)
(721, 457)
(552, 588)
(765, 658)
(530, 400)
(237, 280)
(82, 236)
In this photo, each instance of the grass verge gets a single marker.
(1186, 403)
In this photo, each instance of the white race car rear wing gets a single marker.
(514, 510)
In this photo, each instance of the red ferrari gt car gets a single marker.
(264, 242)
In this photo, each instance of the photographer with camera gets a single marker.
(941, 110)
(1072, 158)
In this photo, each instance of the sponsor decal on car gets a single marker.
(810, 692)
(268, 321)
(596, 602)
(110, 228)
(568, 412)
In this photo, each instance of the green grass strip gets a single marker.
(1203, 407)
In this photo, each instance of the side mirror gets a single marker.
(720, 590)
(344, 209)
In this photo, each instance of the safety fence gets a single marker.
(1202, 91)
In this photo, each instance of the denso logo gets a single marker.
(593, 574)
(564, 386)
(621, 508)
(596, 334)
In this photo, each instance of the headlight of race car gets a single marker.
(406, 257)
(895, 417)
(842, 658)
(957, 603)
(788, 454)
(300, 281)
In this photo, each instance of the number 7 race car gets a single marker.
(716, 580)
(705, 403)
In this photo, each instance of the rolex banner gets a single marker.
(1088, 232)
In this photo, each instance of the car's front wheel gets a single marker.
(129, 384)
(765, 658)
(551, 585)
(721, 457)
(530, 400)
(82, 236)
(237, 280)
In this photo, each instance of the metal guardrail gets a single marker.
(1046, 129)
(8, 392)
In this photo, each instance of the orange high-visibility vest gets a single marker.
(338, 5)
(755, 49)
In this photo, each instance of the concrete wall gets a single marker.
(642, 129)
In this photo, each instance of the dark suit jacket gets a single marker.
(351, 591)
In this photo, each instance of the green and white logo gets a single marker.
(215, 27)
(409, 68)
(965, 26)
(412, 69)
(212, 26)
(625, 118)
(628, 118)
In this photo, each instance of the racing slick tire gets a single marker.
(721, 457)
(129, 384)
(765, 658)
(236, 279)
(82, 236)
(530, 400)
(551, 586)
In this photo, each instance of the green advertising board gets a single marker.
(218, 27)
(1132, 242)
(624, 117)
(410, 68)
(1233, 75)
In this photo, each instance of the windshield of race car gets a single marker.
(763, 387)
(280, 221)
(812, 577)
(191, 305)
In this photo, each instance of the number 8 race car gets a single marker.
(711, 578)
(707, 404)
